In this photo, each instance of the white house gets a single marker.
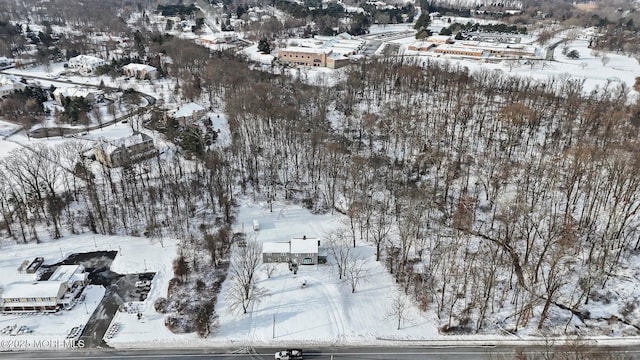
(9, 84)
(58, 292)
(74, 92)
(86, 64)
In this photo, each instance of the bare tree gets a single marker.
(381, 225)
(398, 310)
(340, 249)
(356, 272)
(243, 269)
(269, 269)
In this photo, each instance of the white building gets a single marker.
(86, 64)
(74, 92)
(58, 292)
(189, 112)
(9, 84)
(140, 71)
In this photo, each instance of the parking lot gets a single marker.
(120, 289)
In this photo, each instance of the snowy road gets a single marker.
(353, 353)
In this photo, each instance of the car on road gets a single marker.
(289, 354)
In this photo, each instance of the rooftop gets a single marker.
(275, 247)
(34, 289)
(304, 245)
(139, 67)
(188, 110)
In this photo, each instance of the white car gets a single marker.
(143, 283)
(289, 354)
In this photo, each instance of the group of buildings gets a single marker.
(445, 46)
(59, 291)
(335, 52)
(87, 65)
(331, 52)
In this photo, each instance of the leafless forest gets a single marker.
(490, 198)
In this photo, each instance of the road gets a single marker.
(351, 353)
(62, 131)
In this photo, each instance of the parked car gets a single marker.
(289, 354)
(143, 283)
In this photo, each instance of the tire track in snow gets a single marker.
(334, 312)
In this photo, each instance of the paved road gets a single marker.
(62, 131)
(363, 353)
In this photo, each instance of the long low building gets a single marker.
(304, 56)
(58, 292)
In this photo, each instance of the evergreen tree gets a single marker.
(264, 46)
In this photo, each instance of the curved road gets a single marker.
(62, 131)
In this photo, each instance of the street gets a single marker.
(352, 353)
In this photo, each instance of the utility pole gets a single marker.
(273, 331)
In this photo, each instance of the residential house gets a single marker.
(303, 251)
(126, 151)
(58, 292)
(9, 84)
(86, 64)
(190, 112)
(140, 71)
(59, 94)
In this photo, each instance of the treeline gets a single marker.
(176, 10)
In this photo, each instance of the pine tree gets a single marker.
(264, 46)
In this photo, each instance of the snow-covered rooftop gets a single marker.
(139, 67)
(304, 245)
(275, 247)
(35, 289)
(75, 91)
(308, 50)
(188, 110)
(66, 273)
